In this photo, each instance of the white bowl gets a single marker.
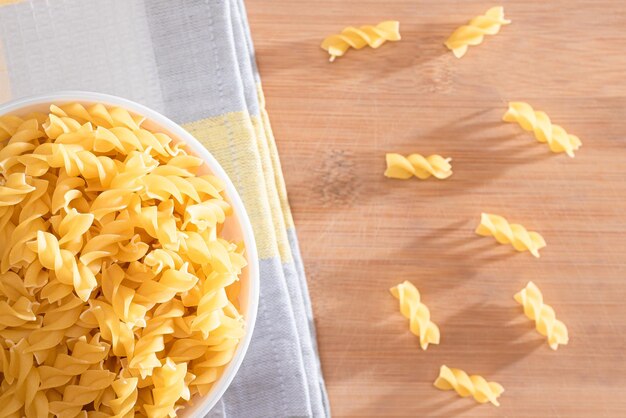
(237, 227)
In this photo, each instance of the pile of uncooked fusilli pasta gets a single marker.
(118, 294)
(416, 165)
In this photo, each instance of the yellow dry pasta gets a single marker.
(507, 233)
(357, 38)
(474, 32)
(401, 167)
(544, 130)
(118, 293)
(546, 323)
(417, 313)
(475, 386)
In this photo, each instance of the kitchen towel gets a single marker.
(194, 62)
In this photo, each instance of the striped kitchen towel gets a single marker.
(194, 62)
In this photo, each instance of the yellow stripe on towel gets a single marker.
(238, 142)
(278, 171)
(7, 2)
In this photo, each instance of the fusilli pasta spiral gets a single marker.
(506, 233)
(474, 32)
(84, 355)
(544, 130)
(118, 293)
(14, 190)
(476, 386)
(123, 404)
(169, 386)
(8, 126)
(417, 313)
(400, 167)
(357, 38)
(545, 319)
(21, 381)
(89, 388)
(151, 341)
(98, 115)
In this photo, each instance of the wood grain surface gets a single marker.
(361, 233)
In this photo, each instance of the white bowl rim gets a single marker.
(217, 391)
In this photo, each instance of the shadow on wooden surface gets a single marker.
(348, 177)
(363, 65)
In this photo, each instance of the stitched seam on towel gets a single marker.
(6, 64)
(219, 71)
(220, 90)
(277, 362)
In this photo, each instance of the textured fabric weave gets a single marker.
(194, 62)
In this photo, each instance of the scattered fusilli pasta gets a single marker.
(546, 323)
(357, 38)
(474, 32)
(544, 130)
(117, 291)
(401, 167)
(417, 313)
(463, 384)
(506, 233)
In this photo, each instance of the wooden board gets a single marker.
(361, 233)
